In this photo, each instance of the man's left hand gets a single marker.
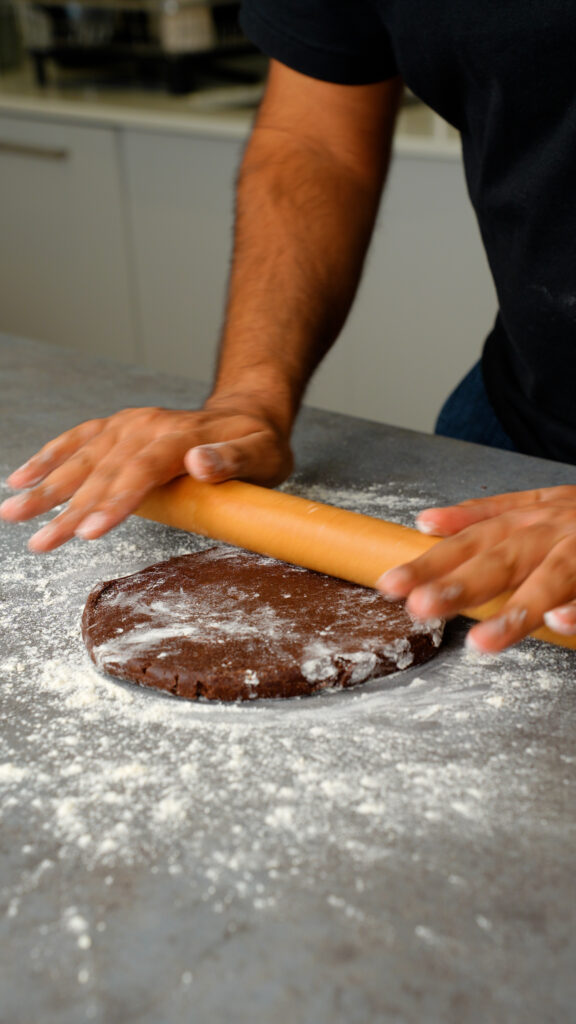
(523, 543)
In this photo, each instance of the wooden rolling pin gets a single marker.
(306, 533)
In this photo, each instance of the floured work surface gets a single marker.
(401, 850)
(226, 625)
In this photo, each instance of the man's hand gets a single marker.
(103, 468)
(524, 542)
(308, 195)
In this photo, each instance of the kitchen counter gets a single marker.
(225, 112)
(403, 852)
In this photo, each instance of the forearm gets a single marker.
(305, 214)
(302, 229)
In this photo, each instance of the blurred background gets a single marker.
(122, 123)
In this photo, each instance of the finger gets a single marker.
(497, 633)
(120, 484)
(28, 504)
(82, 522)
(443, 559)
(483, 577)
(520, 528)
(256, 458)
(53, 454)
(112, 489)
(552, 582)
(443, 522)
(52, 535)
(58, 486)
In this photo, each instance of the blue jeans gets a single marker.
(468, 416)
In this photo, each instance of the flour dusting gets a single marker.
(107, 776)
(207, 626)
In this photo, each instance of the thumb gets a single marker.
(210, 462)
(257, 458)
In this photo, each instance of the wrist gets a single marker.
(259, 395)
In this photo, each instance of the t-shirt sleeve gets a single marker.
(341, 41)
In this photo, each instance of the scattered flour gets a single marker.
(107, 775)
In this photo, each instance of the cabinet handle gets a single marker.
(39, 152)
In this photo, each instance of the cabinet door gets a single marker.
(425, 304)
(180, 191)
(63, 266)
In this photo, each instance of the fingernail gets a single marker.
(393, 583)
(45, 534)
(434, 600)
(433, 594)
(495, 629)
(428, 526)
(474, 642)
(471, 645)
(30, 481)
(15, 504)
(426, 621)
(427, 600)
(44, 456)
(92, 526)
(562, 620)
(210, 461)
(20, 469)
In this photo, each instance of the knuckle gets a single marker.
(147, 463)
(83, 433)
(139, 417)
(566, 492)
(121, 500)
(142, 457)
(155, 414)
(92, 424)
(522, 518)
(104, 475)
(82, 460)
(465, 544)
(127, 413)
(562, 558)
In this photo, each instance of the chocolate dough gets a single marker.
(226, 625)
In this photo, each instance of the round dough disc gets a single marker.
(227, 625)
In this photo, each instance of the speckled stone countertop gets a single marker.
(403, 852)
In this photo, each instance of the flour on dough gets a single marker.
(227, 625)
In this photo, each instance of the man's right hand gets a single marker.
(103, 468)
(308, 194)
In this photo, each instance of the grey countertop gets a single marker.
(400, 853)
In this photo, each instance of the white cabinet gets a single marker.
(64, 273)
(180, 193)
(425, 305)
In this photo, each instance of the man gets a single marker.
(308, 192)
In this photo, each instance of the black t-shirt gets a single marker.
(503, 72)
